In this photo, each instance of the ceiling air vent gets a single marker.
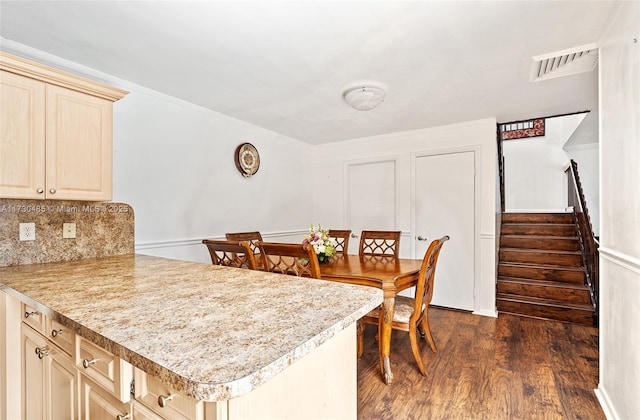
(564, 63)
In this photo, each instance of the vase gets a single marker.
(323, 258)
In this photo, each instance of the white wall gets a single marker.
(587, 158)
(173, 163)
(329, 182)
(619, 387)
(534, 168)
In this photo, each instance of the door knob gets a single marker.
(421, 238)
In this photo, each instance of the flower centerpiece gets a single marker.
(324, 245)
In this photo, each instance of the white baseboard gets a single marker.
(485, 312)
(605, 403)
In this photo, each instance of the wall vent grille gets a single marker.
(564, 63)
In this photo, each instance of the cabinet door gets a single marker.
(33, 374)
(78, 146)
(62, 384)
(50, 380)
(22, 137)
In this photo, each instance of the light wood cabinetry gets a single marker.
(111, 373)
(55, 133)
(163, 401)
(49, 379)
(96, 403)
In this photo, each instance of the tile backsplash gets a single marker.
(102, 229)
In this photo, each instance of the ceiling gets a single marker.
(284, 65)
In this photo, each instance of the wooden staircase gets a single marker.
(541, 271)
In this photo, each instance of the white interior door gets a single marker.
(445, 205)
(371, 198)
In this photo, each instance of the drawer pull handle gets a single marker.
(123, 416)
(28, 314)
(55, 333)
(86, 363)
(42, 352)
(163, 400)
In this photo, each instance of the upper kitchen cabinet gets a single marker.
(55, 133)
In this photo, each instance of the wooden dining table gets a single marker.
(390, 274)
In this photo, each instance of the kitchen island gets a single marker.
(213, 334)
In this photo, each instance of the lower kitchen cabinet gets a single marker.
(96, 403)
(49, 379)
(163, 401)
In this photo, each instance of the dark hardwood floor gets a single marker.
(486, 368)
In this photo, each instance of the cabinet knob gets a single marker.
(42, 351)
(125, 416)
(40, 190)
(28, 314)
(421, 238)
(353, 235)
(55, 333)
(52, 190)
(163, 400)
(86, 363)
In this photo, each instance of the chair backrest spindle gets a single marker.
(291, 259)
(231, 253)
(380, 242)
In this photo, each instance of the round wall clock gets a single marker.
(247, 159)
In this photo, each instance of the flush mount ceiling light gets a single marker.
(364, 98)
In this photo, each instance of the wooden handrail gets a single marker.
(500, 168)
(588, 241)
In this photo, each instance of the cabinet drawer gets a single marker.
(98, 403)
(33, 318)
(61, 335)
(110, 372)
(165, 401)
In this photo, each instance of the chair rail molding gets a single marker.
(169, 243)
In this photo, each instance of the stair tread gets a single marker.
(545, 224)
(542, 251)
(546, 283)
(543, 266)
(544, 302)
(568, 238)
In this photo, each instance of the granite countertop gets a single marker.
(211, 332)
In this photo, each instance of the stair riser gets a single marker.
(537, 218)
(576, 316)
(540, 230)
(570, 260)
(548, 244)
(545, 292)
(540, 273)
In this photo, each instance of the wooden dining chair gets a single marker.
(380, 242)
(231, 253)
(342, 238)
(412, 314)
(253, 238)
(291, 259)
